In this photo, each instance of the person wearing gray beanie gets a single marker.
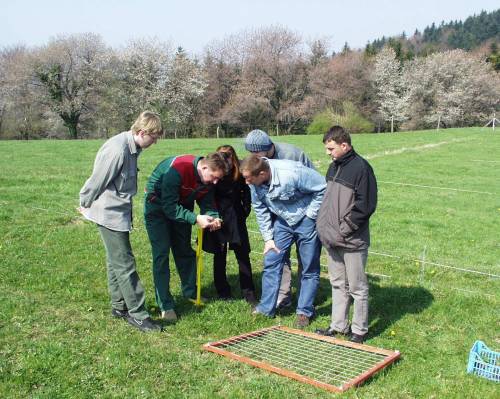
(258, 142)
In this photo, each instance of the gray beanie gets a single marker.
(257, 141)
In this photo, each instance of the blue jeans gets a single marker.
(308, 244)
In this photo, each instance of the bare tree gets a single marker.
(18, 100)
(345, 77)
(274, 76)
(70, 72)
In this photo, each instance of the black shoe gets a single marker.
(356, 338)
(250, 298)
(330, 332)
(327, 332)
(285, 304)
(226, 297)
(145, 325)
(119, 314)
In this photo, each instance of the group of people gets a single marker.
(293, 204)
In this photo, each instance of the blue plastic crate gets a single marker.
(484, 362)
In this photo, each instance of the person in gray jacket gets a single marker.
(106, 199)
(259, 143)
(343, 228)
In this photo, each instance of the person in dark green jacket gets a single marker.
(175, 184)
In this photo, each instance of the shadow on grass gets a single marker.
(387, 304)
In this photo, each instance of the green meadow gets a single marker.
(434, 278)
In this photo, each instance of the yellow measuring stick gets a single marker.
(199, 267)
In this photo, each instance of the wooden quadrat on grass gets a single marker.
(324, 362)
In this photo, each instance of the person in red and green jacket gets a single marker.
(175, 184)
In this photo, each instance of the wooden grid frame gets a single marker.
(384, 357)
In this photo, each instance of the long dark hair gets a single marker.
(235, 162)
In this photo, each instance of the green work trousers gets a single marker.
(165, 234)
(125, 288)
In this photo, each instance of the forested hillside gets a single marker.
(272, 78)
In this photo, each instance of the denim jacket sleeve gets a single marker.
(311, 182)
(263, 215)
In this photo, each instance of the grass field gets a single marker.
(434, 267)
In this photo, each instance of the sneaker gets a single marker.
(357, 338)
(250, 298)
(302, 321)
(329, 332)
(169, 315)
(119, 314)
(145, 325)
(285, 304)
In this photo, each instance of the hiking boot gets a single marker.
(145, 325)
(169, 315)
(357, 338)
(250, 297)
(302, 321)
(119, 314)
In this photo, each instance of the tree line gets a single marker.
(270, 78)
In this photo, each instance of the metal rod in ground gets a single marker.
(199, 267)
(422, 265)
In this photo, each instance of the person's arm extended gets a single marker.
(207, 204)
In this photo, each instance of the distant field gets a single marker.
(434, 270)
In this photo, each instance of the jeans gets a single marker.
(305, 236)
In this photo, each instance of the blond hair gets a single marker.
(149, 122)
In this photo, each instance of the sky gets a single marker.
(193, 24)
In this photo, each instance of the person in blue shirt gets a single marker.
(292, 193)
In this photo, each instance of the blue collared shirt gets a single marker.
(294, 191)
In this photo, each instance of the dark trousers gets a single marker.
(165, 235)
(245, 270)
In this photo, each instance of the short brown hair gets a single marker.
(216, 161)
(337, 134)
(254, 165)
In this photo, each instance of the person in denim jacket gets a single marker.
(258, 142)
(293, 193)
